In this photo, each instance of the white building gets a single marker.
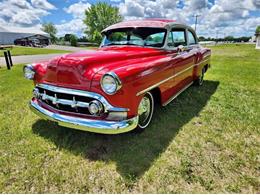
(10, 34)
(257, 40)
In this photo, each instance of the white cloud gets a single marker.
(22, 13)
(27, 17)
(42, 4)
(232, 17)
(132, 8)
(78, 9)
(74, 26)
(23, 4)
(256, 3)
(115, 1)
(228, 17)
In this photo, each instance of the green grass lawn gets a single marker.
(206, 140)
(18, 51)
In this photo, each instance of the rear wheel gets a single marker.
(145, 111)
(200, 80)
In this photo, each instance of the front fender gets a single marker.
(135, 78)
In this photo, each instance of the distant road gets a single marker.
(28, 58)
(41, 57)
(64, 47)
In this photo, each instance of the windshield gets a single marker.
(151, 37)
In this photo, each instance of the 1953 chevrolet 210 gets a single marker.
(114, 88)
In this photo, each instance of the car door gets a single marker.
(183, 59)
(195, 50)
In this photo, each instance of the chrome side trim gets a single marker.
(97, 126)
(176, 95)
(163, 81)
(169, 78)
(107, 106)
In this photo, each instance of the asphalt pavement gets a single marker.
(28, 58)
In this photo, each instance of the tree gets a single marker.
(67, 37)
(98, 17)
(229, 38)
(51, 30)
(257, 30)
(83, 39)
(201, 38)
(73, 40)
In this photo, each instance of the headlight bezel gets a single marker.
(117, 82)
(29, 67)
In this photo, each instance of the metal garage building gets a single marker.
(8, 36)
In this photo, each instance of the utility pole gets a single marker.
(216, 37)
(196, 20)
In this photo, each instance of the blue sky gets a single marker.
(217, 17)
(56, 16)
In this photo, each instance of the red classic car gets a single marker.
(114, 88)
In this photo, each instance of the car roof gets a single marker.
(154, 23)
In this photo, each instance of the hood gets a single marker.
(77, 69)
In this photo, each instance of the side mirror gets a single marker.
(180, 48)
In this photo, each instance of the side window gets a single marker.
(179, 38)
(192, 40)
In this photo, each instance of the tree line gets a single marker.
(226, 39)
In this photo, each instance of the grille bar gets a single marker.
(68, 98)
(56, 101)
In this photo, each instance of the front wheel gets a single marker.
(145, 111)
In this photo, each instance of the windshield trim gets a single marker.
(146, 46)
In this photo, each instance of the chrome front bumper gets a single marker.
(97, 126)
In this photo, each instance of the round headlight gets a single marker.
(28, 72)
(95, 107)
(110, 83)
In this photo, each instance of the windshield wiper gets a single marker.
(134, 44)
(113, 44)
(122, 44)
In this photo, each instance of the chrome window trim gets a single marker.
(169, 78)
(107, 105)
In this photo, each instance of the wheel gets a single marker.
(200, 80)
(145, 111)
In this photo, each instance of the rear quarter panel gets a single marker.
(203, 59)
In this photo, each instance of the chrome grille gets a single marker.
(70, 102)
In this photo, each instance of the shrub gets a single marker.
(73, 40)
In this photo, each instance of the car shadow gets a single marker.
(133, 153)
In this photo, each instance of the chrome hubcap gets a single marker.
(144, 111)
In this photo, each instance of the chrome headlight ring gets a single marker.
(29, 72)
(110, 83)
